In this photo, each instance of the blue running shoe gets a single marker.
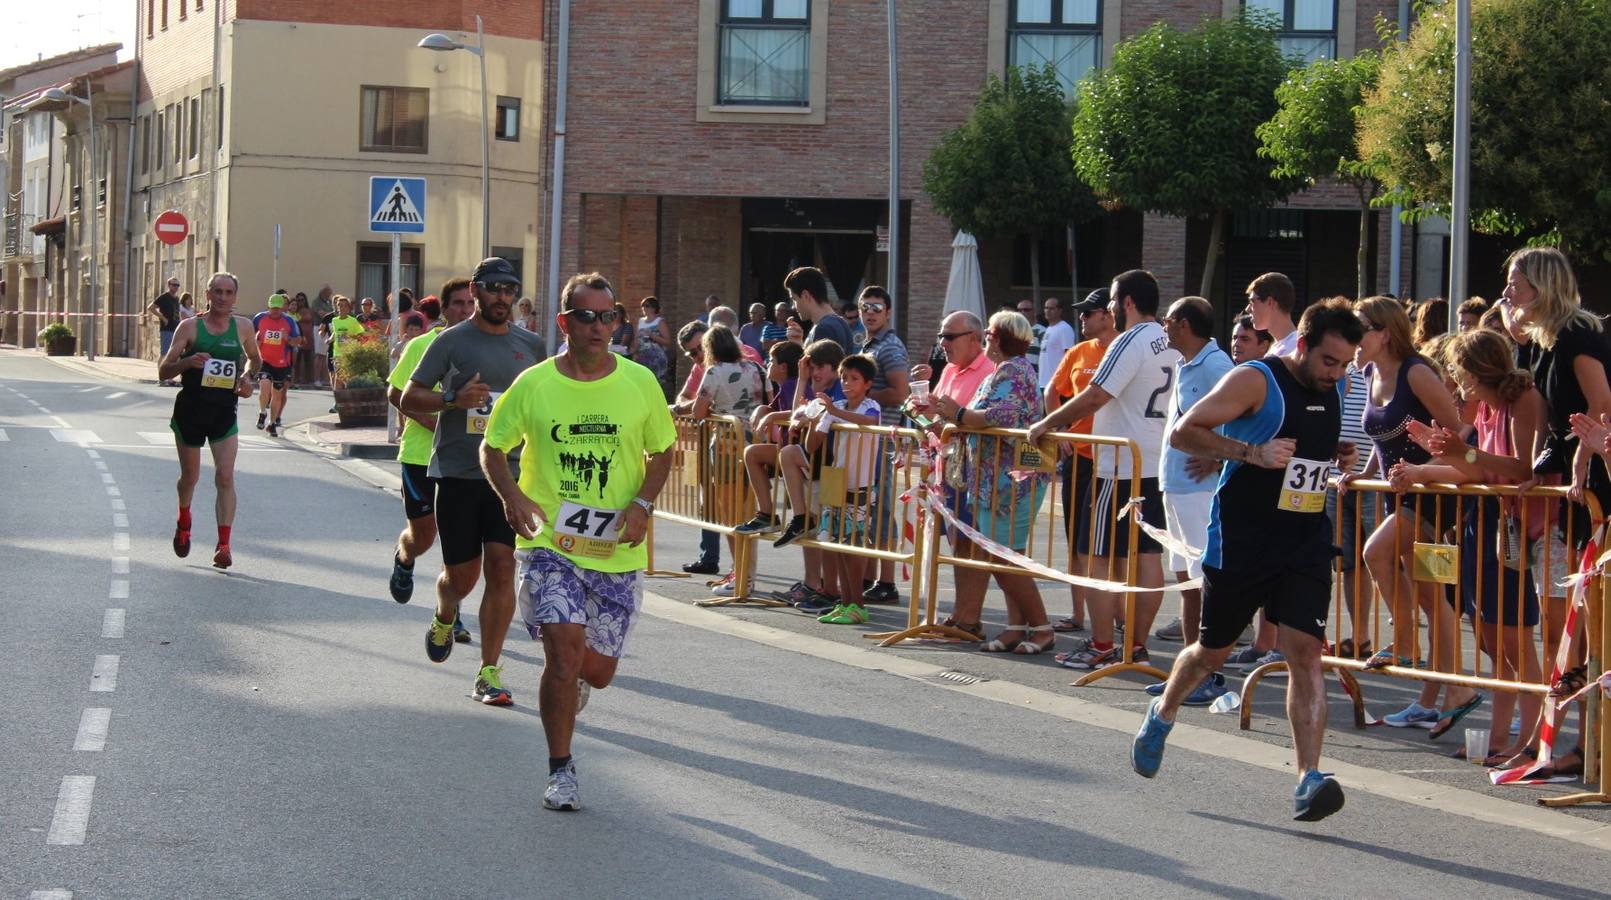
(1206, 693)
(1317, 796)
(1146, 751)
(1413, 716)
(1156, 690)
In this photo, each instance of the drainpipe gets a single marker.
(557, 180)
(128, 195)
(212, 214)
(1396, 238)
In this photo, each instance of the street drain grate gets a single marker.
(952, 676)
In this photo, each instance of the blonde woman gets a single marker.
(1404, 387)
(1569, 358)
(1501, 601)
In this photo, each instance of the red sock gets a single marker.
(184, 518)
(223, 535)
(1098, 645)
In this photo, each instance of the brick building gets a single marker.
(726, 140)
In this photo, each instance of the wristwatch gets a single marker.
(448, 396)
(1471, 455)
(646, 505)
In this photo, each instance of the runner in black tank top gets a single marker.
(1276, 422)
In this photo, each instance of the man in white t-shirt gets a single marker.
(1130, 398)
(1273, 304)
(1058, 340)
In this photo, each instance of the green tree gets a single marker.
(1006, 171)
(1171, 126)
(1540, 119)
(1312, 135)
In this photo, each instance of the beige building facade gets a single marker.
(256, 115)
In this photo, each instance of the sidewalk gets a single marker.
(122, 368)
(361, 443)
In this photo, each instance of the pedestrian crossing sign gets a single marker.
(396, 204)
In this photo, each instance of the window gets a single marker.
(1065, 33)
(765, 53)
(220, 117)
(507, 128)
(393, 119)
(375, 270)
(145, 145)
(178, 118)
(1308, 27)
(195, 126)
(165, 14)
(150, 19)
(160, 141)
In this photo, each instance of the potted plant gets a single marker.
(363, 366)
(58, 339)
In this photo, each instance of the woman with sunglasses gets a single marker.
(1405, 387)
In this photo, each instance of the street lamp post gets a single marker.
(57, 95)
(439, 41)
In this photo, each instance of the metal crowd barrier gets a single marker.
(1444, 565)
(707, 487)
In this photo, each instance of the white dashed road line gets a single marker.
(72, 810)
(120, 564)
(104, 678)
(119, 589)
(51, 895)
(92, 728)
(120, 541)
(112, 623)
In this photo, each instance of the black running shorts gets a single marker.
(276, 375)
(419, 491)
(1112, 495)
(1298, 596)
(468, 515)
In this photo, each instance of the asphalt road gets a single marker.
(276, 731)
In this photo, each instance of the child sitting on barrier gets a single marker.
(857, 456)
(819, 366)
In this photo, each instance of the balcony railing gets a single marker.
(19, 240)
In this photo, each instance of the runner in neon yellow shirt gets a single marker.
(414, 452)
(344, 327)
(598, 440)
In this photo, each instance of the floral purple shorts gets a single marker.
(554, 590)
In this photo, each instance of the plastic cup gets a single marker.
(920, 393)
(1476, 745)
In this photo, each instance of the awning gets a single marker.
(50, 226)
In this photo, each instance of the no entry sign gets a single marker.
(172, 227)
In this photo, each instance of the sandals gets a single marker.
(997, 645)
(973, 628)
(1381, 659)
(1346, 649)
(1067, 625)
(1556, 769)
(1030, 647)
(1570, 683)
(1449, 718)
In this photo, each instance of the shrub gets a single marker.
(364, 357)
(54, 331)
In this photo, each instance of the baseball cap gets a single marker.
(1095, 300)
(277, 301)
(495, 270)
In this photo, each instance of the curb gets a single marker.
(354, 450)
(89, 368)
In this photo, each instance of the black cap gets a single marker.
(494, 270)
(1095, 300)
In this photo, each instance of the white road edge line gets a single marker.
(112, 623)
(104, 678)
(71, 820)
(1468, 804)
(92, 728)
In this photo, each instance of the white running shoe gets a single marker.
(563, 792)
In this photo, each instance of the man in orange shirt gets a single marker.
(1073, 375)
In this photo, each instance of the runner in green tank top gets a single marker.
(206, 356)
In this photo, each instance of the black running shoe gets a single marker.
(461, 635)
(262, 419)
(274, 429)
(795, 528)
(438, 641)
(763, 523)
(402, 583)
(882, 592)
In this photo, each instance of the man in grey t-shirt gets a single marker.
(475, 361)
